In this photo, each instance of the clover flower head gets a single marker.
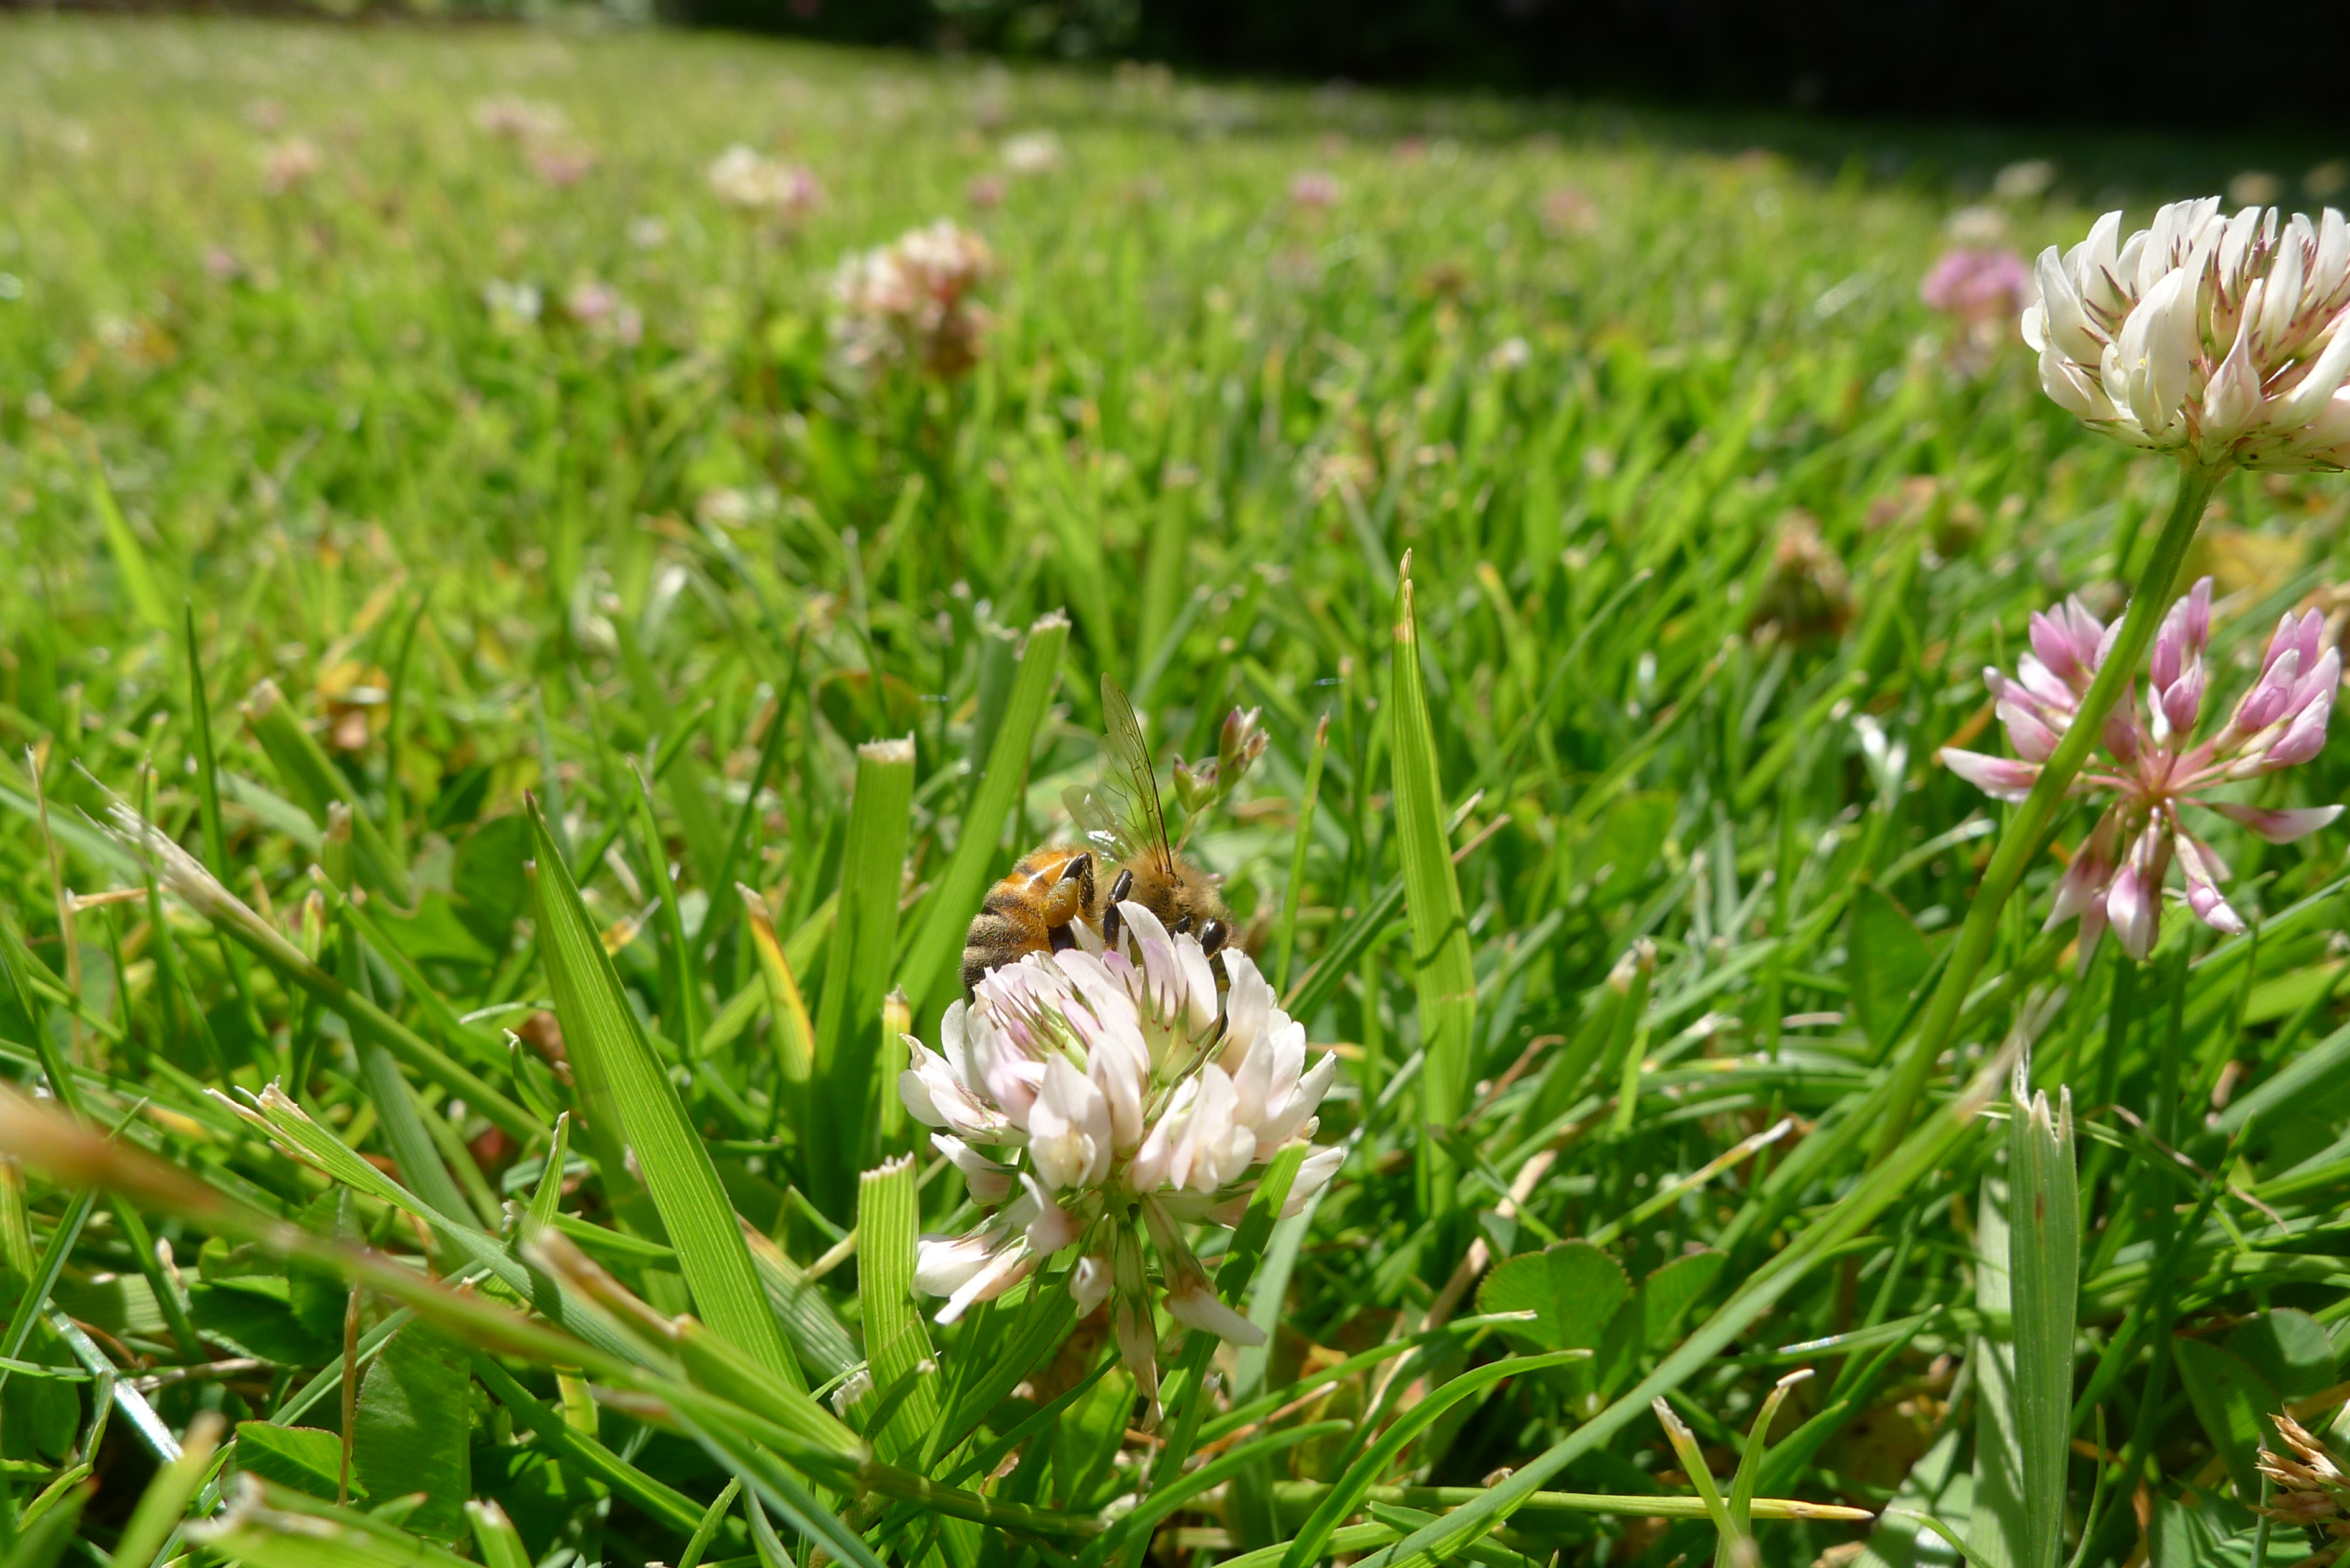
(2222, 338)
(765, 187)
(1095, 1098)
(2152, 765)
(1033, 153)
(1977, 283)
(910, 302)
(2311, 1489)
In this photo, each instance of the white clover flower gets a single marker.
(2219, 339)
(910, 302)
(762, 186)
(1033, 153)
(1091, 1097)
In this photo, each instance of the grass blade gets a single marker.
(1442, 969)
(603, 1037)
(856, 970)
(932, 959)
(897, 1340)
(2045, 1262)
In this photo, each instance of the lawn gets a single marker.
(585, 652)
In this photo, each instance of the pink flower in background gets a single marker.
(605, 313)
(1314, 189)
(2151, 765)
(1978, 284)
(562, 164)
(985, 191)
(1568, 210)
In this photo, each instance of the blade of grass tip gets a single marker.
(1920, 1152)
(1758, 1441)
(1441, 968)
(932, 959)
(699, 1542)
(546, 1199)
(1729, 1540)
(897, 1340)
(789, 1033)
(857, 969)
(602, 1037)
(494, 1532)
(1289, 897)
(165, 1500)
(2045, 1261)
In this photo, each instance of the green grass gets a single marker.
(484, 559)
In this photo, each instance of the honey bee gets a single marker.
(1125, 855)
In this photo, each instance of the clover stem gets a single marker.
(2025, 830)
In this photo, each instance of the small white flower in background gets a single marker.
(1976, 227)
(513, 306)
(764, 187)
(1092, 1098)
(2219, 339)
(910, 301)
(726, 506)
(2022, 180)
(648, 232)
(1033, 153)
(2254, 187)
(1510, 354)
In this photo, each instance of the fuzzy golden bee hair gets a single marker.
(1130, 858)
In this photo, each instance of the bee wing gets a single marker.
(1126, 773)
(1100, 822)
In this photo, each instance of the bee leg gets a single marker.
(1060, 937)
(1183, 924)
(1213, 935)
(1067, 899)
(1112, 921)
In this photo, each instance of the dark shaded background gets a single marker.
(2093, 61)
